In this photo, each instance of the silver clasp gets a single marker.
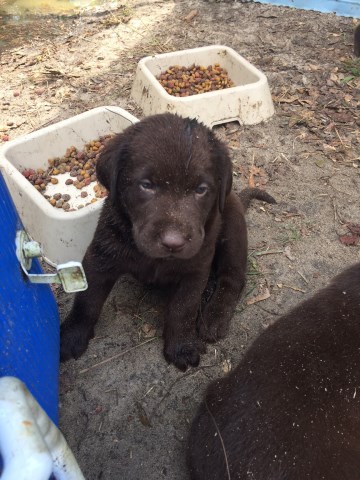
(70, 275)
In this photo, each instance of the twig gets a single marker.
(187, 374)
(266, 310)
(151, 388)
(221, 440)
(336, 214)
(245, 331)
(294, 288)
(266, 252)
(296, 169)
(49, 122)
(137, 314)
(231, 132)
(340, 191)
(302, 276)
(116, 356)
(116, 394)
(337, 133)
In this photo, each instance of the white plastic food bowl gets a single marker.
(248, 102)
(64, 236)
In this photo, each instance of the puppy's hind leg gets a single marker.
(230, 267)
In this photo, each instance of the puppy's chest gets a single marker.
(158, 272)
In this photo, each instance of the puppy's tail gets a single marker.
(248, 194)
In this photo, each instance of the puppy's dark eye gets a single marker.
(201, 189)
(146, 185)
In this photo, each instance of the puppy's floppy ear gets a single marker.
(224, 169)
(111, 162)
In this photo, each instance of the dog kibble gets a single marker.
(182, 81)
(79, 165)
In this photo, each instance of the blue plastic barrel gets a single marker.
(346, 8)
(29, 319)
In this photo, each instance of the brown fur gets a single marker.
(170, 217)
(291, 409)
(357, 41)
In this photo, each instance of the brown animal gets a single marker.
(357, 41)
(291, 409)
(170, 218)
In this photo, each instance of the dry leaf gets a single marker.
(259, 298)
(148, 330)
(226, 366)
(328, 147)
(320, 162)
(191, 15)
(349, 240)
(313, 67)
(254, 170)
(305, 117)
(355, 229)
(342, 117)
(143, 417)
(291, 99)
(287, 253)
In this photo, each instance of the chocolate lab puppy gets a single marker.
(170, 217)
(291, 409)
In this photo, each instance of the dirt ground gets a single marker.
(124, 411)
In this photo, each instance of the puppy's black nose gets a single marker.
(173, 241)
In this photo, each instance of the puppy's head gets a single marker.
(171, 176)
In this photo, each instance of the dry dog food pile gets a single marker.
(185, 81)
(74, 173)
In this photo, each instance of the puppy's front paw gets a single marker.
(74, 339)
(184, 354)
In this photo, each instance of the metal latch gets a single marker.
(71, 275)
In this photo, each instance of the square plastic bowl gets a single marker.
(248, 101)
(64, 236)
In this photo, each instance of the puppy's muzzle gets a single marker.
(173, 241)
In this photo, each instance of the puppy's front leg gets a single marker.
(78, 328)
(230, 268)
(182, 347)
